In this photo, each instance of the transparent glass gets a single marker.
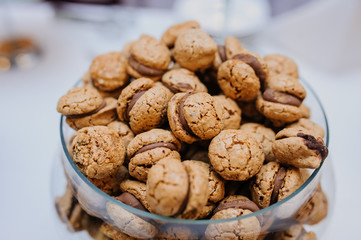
(275, 218)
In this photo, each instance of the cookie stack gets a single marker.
(185, 128)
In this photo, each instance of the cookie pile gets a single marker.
(185, 128)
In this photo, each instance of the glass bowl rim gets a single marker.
(198, 221)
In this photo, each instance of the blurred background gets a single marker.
(46, 46)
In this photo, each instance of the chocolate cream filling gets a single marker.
(130, 200)
(254, 63)
(182, 119)
(88, 113)
(174, 88)
(222, 52)
(144, 70)
(280, 176)
(312, 143)
(133, 101)
(275, 96)
(169, 145)
(237, 204)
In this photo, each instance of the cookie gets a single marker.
(123, 131)
(194, 49)
(194, 116)
(309, 125)
(255, 62)
(130, 223)
(279, 64)
(262, 134)
(88, 82)
(137, 189)
(177, 232)
(79, 101)
(231, 47)
(235, 156)
(101, 117)
(231, 116)
(113, 233)
(206, 211)
(177, 189)
(182, 80)
(148, 148)
(295, 232)
(170, 35)
(231, 207)
(274, 183)
(97, 151)
(238, 80)
(108, 71)
(110, 184)
(299, 148)
(216, 185)
(143, 104)
(315, 208)
(149, 58)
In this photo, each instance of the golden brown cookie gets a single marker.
(262, 134)
(149, 57)
(147, 148)
(97, 151)
(170, 35)
(231, 47)
(235, 155)
(274, 183)
(299, 148)
(88, 82)
(182, 80)
(194, 116)
(231, 207)
(310, 125)
(108, 71)
(123, 130)
(137, 189)
(238, 80)
(231, 116)
(143, 104)
(279, 64)
(194, 49)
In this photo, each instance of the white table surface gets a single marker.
(29, 121)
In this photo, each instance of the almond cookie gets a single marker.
(216, 185)
(231, 207)
(238, 80)
(315, 208)
(177, 188)
(194, 116)
(235, 156)
(88, 82)
(231, 112)
(295, 232)
(309, 125)
(281, 99)
(274, 183)
(299, 148)
(123, 130)
(130, 223)
(97, 151)
(137, 189)
(143, 104)
(227, 51)
(255, 62)
(110, 184)
(262, 134)
(114, 234)
(148, 148)
(108, 71)
(170, 35)
(279, 64)
(149, 58)
(194, 49)
(102, 117)
(182, 80)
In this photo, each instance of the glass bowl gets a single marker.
(139, 224)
